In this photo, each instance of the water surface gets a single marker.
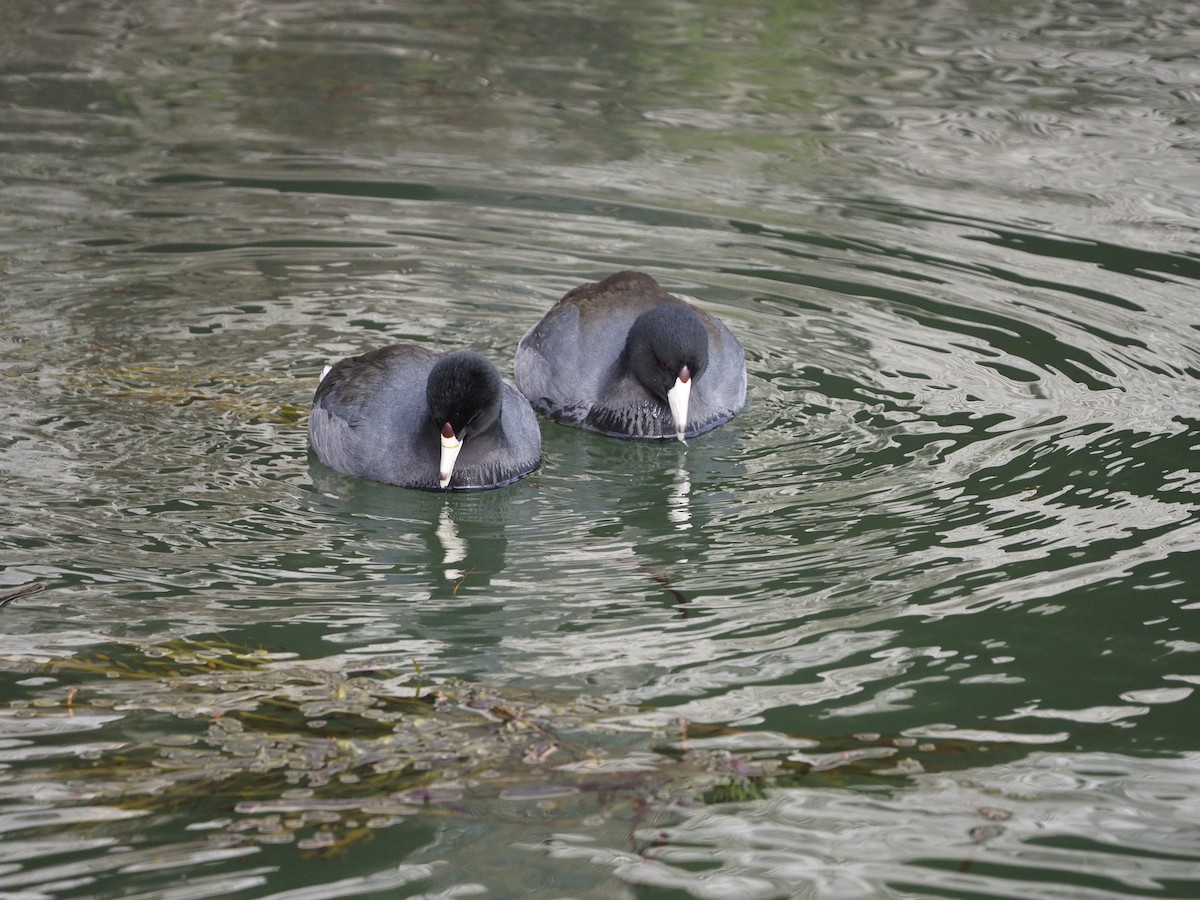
(919, 623)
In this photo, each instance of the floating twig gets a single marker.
(460, 581)
(23, 591)
(664, 582)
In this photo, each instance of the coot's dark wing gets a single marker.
(369, 417)
(720, 393)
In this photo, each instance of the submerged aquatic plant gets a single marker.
(274, 749)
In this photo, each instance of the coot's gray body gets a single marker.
(409, 416)
(624, 357)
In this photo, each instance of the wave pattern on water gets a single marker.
(958, 513)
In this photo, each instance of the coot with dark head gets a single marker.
(624, 357)
(408, 416)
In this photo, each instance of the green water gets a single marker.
(921, 622)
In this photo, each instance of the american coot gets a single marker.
(626, 358)
(409, 416)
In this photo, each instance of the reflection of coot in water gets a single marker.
(407, 416)
(415, 545)
(626, 358)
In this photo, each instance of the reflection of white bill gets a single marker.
(454, 548)
(679, 504)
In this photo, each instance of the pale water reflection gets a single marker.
(920, 622)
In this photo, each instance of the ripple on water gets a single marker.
(1093, 824)
(958, 243)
